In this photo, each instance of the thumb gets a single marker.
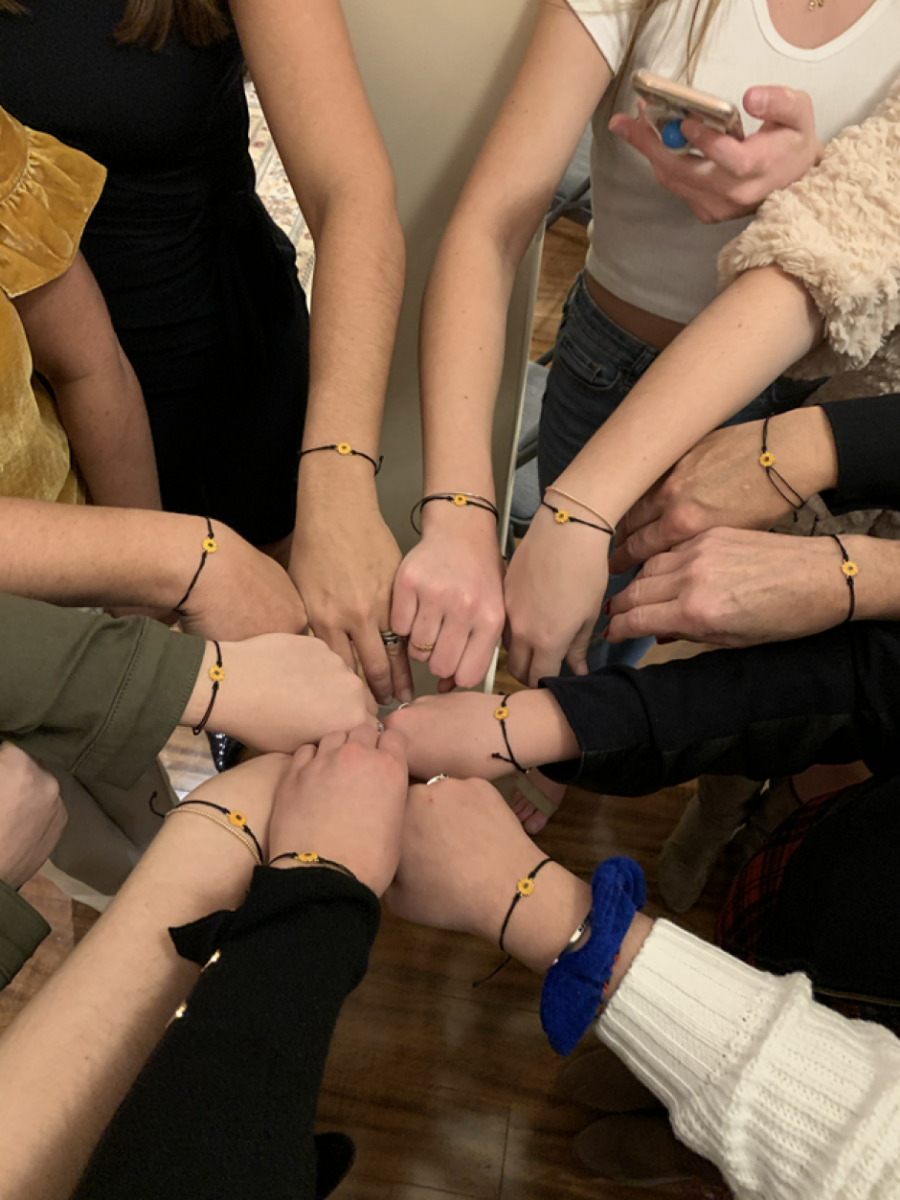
(780, 106)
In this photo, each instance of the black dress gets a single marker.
(200, 283)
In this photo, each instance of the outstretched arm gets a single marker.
(304, 69)
(449, 588)
(630, 732)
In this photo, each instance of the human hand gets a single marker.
(554, 590)
(721, 482)
(733, 177)
(345, 801)
(343, 561)
(736, 587)
(240, 592)
(457, 735)
(449, 593)
(463, 854)
(281, 691)
(32, 815)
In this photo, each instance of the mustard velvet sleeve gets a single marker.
(47, 193)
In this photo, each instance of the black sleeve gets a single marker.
(867, 439)
(224, 1108)
(764, 711)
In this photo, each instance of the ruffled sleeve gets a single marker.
(47, 193)
(837, 230)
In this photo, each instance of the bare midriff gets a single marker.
(656, 331)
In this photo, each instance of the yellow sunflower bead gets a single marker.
(308, 856)
(237, 819)
(850, 569)
(562, 515)
(460, 501)
(525, 887)
(210, 545)
(501, 713)
(217, 674)
(767, 459)
(344, 448)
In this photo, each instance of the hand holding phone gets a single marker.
(667, 104)
(730, 176)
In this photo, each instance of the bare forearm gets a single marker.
(360, 259)
(103, 556)
(878, 583)
(69, 1059)
(755, 330)
(106, 422)
(462, 345)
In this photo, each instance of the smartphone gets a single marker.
(669, 103)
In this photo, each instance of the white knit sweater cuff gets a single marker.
(789, 1099)
(681, 1014)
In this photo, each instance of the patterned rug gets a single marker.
(275, 190)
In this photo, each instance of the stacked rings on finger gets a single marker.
(393, 642)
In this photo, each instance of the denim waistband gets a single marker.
(628, 352)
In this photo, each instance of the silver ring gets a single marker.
(381, 726)
(389, 637)
(436, 779)
(405, 704)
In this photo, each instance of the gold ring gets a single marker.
(424, 647)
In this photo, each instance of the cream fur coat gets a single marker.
(838, 231)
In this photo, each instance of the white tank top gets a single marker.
(647, 247)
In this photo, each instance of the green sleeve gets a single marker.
(91, 694)
(22, 929)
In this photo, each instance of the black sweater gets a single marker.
(224, 1108)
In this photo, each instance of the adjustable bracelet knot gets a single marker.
(500, 714)
(776, 479)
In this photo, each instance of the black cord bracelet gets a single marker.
(850, 570)
(777, 480)
(236, 820)
(564, 517)
(460, 499)
(500, 714)
(216, 674)
(524, 888)
(346, 451)
(210, 546)
(311, 858)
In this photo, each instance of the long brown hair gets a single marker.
(701, 19)
(151, 22)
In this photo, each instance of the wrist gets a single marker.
(538, 730)
(803, 441)
(462, 521)
(198, 702)
(543, 923)
(638, 932)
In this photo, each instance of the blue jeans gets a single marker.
(595, 365)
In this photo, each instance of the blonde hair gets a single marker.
(151, 22)
(701, 19)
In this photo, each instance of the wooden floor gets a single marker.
(450, 1093)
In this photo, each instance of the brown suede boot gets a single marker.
(709, 822)
(600, 1080)
(640, 1150)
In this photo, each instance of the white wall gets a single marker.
(436, 72)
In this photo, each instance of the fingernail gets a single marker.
(406, 696)
(386, 701)
(607, 606)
